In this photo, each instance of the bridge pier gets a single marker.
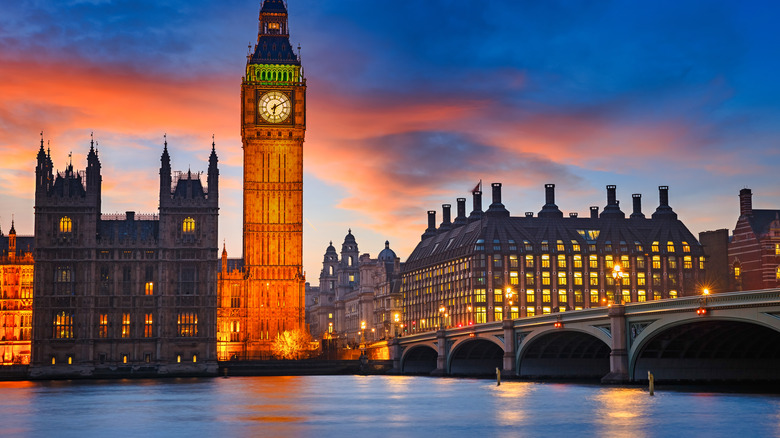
(509, 349)
(395, 355)
(618, 358)
(441, 349)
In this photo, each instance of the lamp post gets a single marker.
(396, 319)
(442, 310)
(362, 337)
(508, 303)
(617, 274)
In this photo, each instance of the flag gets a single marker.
(478, 187)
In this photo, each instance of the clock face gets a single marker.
(274, 107)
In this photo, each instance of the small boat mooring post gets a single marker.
(651, 380)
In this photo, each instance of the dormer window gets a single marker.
(188, 226)
(66, 225)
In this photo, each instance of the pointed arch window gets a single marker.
(188, 226)
(66, 225)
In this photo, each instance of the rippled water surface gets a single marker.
(317, 406)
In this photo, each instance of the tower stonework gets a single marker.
(273, 123)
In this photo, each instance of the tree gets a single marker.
(290, 343)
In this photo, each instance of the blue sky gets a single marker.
(409, 105)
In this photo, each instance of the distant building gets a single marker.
(754, 249)
(355, 289)
(479, 268)
(127, 293)
(16, 292)
(716, 243)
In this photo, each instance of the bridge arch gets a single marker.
(419, 359)
(578, 352)
(476, 356)
(730, 347)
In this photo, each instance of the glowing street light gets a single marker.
(508, 293)
(442, 311)
(617, 274)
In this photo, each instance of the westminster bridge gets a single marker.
(731, 336)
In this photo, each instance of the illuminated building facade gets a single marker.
(754, 248)
(16, 292)
(273, 123)
(124, 293)
(549, 263)
(355, 289)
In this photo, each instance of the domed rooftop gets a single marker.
(330, 247)
(387, 255)
(349, 238)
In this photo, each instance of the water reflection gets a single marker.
(622, 412)
(323, 406)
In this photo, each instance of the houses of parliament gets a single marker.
(93, 294)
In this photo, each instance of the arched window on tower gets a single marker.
(330, 270)
(351, 261)
(66, 225)
(188, 226)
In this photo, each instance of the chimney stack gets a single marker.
(745, 202)
(431, 230)
(476, 214)
(612, 210)
(497, 208)
(611, 195)
(461, 219)
(446, 224)
(663, 196)
(664, 210)
(637, 206)
(550, 209)
(594, 212)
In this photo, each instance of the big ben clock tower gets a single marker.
(273, 124)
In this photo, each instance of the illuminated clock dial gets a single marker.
(274, 107)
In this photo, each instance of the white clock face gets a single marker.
(274, 107)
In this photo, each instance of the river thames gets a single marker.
(361, 406)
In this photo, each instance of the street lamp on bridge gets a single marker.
(617, 274)
(509, 293)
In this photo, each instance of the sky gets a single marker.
(410, 104)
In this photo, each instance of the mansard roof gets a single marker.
(621, 233)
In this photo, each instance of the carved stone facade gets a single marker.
(124, 293)
(357, 297)
(270, 279)
(16, 292)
